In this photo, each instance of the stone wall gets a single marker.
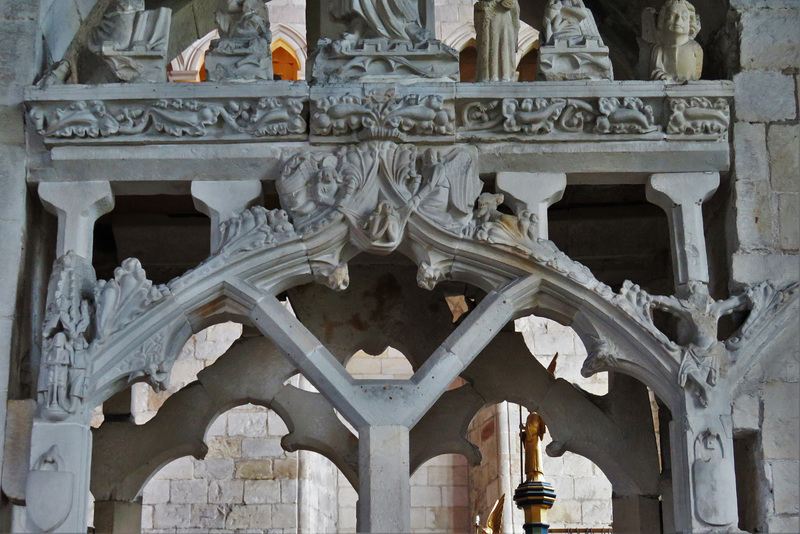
(765, 238)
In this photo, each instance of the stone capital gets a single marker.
(681, 196)
(532, 191)
(77, 205)
(223, 200)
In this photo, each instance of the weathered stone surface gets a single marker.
(770, 38)
(754, 217)
(208, 516)
(750, 154)
(243, 517)
(789, 215)
(226, 491)
(784, 157)
(171, 515)
(187, 491)
(156, 492)
(262, 491)
(781, 431)
(785, 488)
(746, 413)
(17, 448)
(764, 96)
(254, 469)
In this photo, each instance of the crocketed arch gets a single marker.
(223, 290)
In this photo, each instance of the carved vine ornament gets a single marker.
(382, 114)
(373, 189)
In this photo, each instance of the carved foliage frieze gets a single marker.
(544, 118)
(382, 114)
(171, 118)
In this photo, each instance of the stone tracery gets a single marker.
(428, 203)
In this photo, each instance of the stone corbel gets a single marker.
(223, 201)
(77, 205)
(681, 196)
(534, 192)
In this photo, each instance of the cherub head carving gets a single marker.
(678, 20)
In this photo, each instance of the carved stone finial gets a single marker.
(128, 45)
(675, 55)
(573, 48)
(497, 27)
(242, 53)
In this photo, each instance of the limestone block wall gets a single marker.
(765, 237)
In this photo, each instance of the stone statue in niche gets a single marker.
(242, 52)
(572, 47)
(675, 55)
(497, 28)
(128, 45)
(383, 40)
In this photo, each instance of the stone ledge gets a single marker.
(535, 112)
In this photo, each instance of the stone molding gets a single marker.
(433, 112)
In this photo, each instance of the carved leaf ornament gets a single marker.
(173, 118)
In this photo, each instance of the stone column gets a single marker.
(681, 196)
(57, 492)
(77, 205)
(532, 191)
(703, 472)
(224, 200)
(384, 500)
(116, 517)
(636, 514)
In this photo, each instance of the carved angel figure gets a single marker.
(675, 56)
(390, 19)
(497, 28)
(531, 433)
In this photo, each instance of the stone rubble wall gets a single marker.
(765, 238)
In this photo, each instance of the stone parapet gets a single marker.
(537, 112)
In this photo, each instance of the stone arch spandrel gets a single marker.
(126, 455)
(607, 430)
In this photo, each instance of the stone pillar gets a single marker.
(116, 517)
(57, 492)
(224, 200)
(532, 191)
(703, 472)
(636, 514)
(384, 503)
(681, 196)
(77, 205)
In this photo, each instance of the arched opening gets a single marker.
(468, 62)
(285, 62)
(527, 66)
